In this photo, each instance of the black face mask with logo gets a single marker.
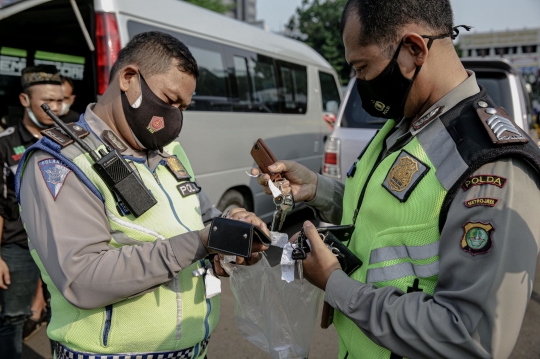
(153, 122)
(385, 95)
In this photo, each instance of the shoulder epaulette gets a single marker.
(59, 136)
(500, 126)
(8, 131)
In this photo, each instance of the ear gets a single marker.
(416, 45)
(25, 100)
(126, 76)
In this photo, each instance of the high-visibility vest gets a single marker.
(174, 316)
(396, 241)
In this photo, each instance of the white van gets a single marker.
(253, 83)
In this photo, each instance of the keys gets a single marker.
(284, 204)
(287, 204)
(300, 266)
(276, 218)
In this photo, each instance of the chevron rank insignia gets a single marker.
(501, 128)
(54, 173)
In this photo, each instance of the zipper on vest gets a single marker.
(107, 326)
(363, 193)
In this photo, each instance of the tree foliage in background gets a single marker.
(317, 24)
(214, 5)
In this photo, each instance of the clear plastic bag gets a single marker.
(276, 316)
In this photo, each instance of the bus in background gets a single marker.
(253, 84)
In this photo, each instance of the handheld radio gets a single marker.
(114, 170)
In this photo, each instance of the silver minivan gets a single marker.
(253, 83)
(355, 127)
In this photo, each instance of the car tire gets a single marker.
(231, 199)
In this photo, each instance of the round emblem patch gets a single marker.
(401, 174)
(156, 123)
(477, 238)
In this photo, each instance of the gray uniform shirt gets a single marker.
(479, 301)
(71, 236)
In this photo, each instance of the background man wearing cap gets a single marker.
(19, 274)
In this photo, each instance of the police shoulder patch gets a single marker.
(477, 238)
(483, 201)
(500, 126)
(405, 174)
(480, 180)
(54, 173)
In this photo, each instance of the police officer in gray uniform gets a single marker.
(454, 170)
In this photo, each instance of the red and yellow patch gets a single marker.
(156, 123)
(484, 201)
(480, 180)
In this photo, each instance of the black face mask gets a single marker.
(153, 122)
(385, 95)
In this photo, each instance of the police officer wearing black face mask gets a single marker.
(125, 285)
(444, 200)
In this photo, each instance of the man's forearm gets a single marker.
(328, 202)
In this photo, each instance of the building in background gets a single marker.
(520, 47)
(244, 10)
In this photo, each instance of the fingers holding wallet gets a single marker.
(320, 262)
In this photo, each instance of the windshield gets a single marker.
(354, 116)
(497, 86)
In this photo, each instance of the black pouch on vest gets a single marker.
(234, 237)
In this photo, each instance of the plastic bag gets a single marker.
(276, 316)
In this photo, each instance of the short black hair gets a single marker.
(382, 20)
(153, 52)
(69, 81)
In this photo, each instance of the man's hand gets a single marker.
(320, 262)
(300, 180)
(5, 280)
(240, 214)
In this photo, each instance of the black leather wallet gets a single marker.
(333, 237)
(234, 237)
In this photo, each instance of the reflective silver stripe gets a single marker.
(443, 153)
(402, 270)
(413, 252)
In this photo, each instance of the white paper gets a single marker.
(212, 284)
(279, 239)
(229, 258)
(287, 263)
(275, 191)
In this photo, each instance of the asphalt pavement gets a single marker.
(227, 342)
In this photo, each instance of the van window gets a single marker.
(263, 74)
(242, 80)
(294, 87)
(258, 83)
(329, 92)
(354, 116)
(212, 87)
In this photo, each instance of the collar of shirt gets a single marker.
(402, 135)
(98, 127)
(26, 136)
(466, 89)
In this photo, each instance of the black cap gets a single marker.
(40, 75)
